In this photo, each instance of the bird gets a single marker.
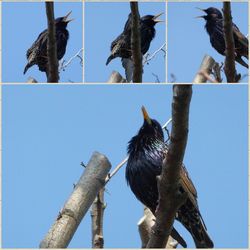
(214, 28)
(121, 46)
(37, 53)
(146, 152)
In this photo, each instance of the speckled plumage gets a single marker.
(37, 53)
(121, 46)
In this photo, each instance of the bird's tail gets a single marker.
(178, 238)
(26, 68)
(191, 218)
(111, 57)
(241, 61)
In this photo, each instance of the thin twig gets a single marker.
(149, 57)
(77, 55)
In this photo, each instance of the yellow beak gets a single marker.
(145, 115)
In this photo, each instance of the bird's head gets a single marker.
(212, 14)
(150, 127)
(151, 20)
(63, 21)
(149, 133)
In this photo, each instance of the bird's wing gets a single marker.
(240, 37)
(128, 23)
(40, 40)
(188, 186)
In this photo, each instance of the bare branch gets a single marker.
(52, 70)
(75, 208)
(136, 43)
(206, 67)
(116, 77)
(168, 183)
(64, 64)
(230, 70)
(97, 213)
(145, 224)
(147, 58)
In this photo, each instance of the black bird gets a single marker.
(146, 152)
(121, 46)
(214, 27)
(37, 53)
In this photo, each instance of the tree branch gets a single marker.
(97, 213)
(205, 69)
(75, 208)
(145, 224)
(116, 77)
(65, 64)
(170, 198)
(230, 70)
(136, 43)
(52, 69)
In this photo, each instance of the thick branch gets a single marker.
(97, 213)
(205, 69)
(230, 71)
(116, 77)
(52, 69)
(136, 43)
(75, 208)
(168, 183)
(145, 224)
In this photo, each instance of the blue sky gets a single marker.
(188, 41)
(21, 25)
(102, 26)
(48, 130)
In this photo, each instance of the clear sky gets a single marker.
(21, 25)
(103, 23)
(48, 130)
(188, 41)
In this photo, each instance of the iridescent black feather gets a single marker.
(214, 28)
(146, 152)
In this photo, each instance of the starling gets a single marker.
(146, 152)
(214, 27)
(37, 53)
(121, 46)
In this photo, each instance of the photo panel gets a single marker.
(24, 53)
(189, 40)
(106, 37)
(49, 130)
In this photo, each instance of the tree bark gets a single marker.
(75, 208)
(145, 224)
(170, 198)
(205, 69)
(136, 43)
(97, 214)
(230, 71)
(52, 69)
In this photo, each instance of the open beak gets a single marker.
(201, 10)
(66, 20)
(158, 20)
(145, 115)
